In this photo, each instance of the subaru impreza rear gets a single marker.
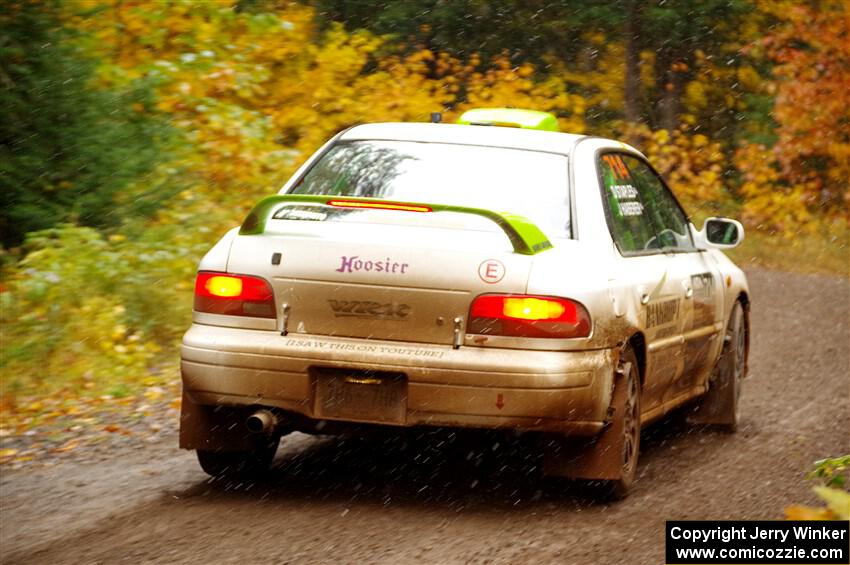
(407, 275)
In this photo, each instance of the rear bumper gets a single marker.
(554, 391)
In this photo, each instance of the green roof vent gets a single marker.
(510, 117)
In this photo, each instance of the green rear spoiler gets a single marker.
(524, 235)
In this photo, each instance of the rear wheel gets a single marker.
(612, 456)
(626, 422)
(239, 463)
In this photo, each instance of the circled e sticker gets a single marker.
(491, 271)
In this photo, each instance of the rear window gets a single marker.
(530, 183)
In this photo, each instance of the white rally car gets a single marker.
(488, 274)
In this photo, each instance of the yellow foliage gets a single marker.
(837, 506)
(695, 95)
(691, 163)
(769, 201)
(503, 85)
(257, 93)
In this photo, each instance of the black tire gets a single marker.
(239, 463)
(626, 422)
(734, 366)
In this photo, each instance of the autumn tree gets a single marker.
(796, 177)
(812, 110)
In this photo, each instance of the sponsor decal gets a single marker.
(628, 200)
(300, 213)
(704, 302)
(703, 285)
(368, 309)
(363, 348)
(354, 264)
(491, 271)
(615, 162)
(662, 312)
(631, 208)
(624, 191)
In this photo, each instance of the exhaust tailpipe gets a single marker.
(261, 422)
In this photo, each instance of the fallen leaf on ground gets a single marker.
(68, 446)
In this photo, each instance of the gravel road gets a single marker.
(459, 499)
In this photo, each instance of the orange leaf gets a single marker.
(799, 512)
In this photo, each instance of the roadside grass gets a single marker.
(56, 421)
(826, 251)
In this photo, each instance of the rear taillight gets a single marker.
(383, 205)
(234, 295)
(520, 315)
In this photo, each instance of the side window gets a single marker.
(644, 214)
(671, 224)
(631, 227)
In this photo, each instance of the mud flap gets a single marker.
(213, 428)
(597, 458)
(717, 406)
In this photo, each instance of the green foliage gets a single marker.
(66, 148)
(467, 27)
(832, 472)
(833, 490)
(82, 308)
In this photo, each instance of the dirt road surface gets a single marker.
(444, 499)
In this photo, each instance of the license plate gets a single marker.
(362, 396)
